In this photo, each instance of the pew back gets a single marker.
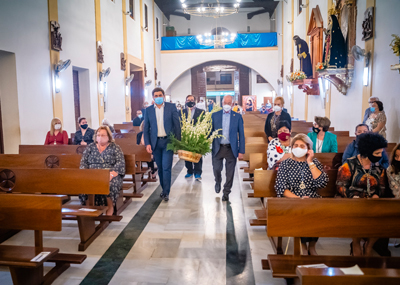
(51, 149)
(39, 161)
(343, 218)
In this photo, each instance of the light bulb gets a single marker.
(184, 5)
(203, 8)
(198, 9)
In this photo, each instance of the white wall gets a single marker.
(181, 87)
(133, 30)
(261, 90)
(77, 21)
(24, 31)
(265, 62)
(236, 23)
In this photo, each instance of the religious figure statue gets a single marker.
(100, 55)
(304, 56)
(335, 51)
(56, 39)
(123, 61)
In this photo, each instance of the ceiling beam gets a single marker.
(180, 14)
(258, 12)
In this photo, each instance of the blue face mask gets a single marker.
(159, 100)
(140, 116)
(372, 109)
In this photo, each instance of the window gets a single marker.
(132, 8)
(146, 18)
(226, 79)
(157, 32)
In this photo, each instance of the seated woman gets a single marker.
(323, 140)
(105, 154)
(377, 120)
(361, 177)
(56, 135)
(300, 176)
(273, 119)
(393, 172)
(84, 135)
(279, 149)
(105, 122)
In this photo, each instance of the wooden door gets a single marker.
(77, 100)
(137, 93)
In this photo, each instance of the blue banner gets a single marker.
(241, 41)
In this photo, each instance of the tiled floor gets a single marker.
(184, 241)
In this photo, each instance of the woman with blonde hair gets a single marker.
(300, 176)
(273, 119)
(56, 135)
(105, 154)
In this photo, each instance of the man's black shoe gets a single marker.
(217, 188)
(225, 197)
(162, 195)
(166, 198)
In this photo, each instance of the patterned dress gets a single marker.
(292, 173)
(111, 158)
(372, 122)
(352, 180)
(275, 152)
(88, 137)
(394, 181)
(274, 125)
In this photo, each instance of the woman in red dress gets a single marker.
(56, 135)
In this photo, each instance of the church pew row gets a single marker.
(334, 218)
(37, 213)
(44, 161)
(65, 182)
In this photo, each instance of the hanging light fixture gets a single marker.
(218, 41)
(214, 10)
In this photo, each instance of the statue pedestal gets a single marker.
(341, 78)
(309, 86)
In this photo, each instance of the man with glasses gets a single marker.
(368, 112)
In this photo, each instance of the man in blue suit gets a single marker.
(230, 147)
(160, 120)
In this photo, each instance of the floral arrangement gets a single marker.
(395, 44)
(196, 138)
(320, 66)
(216, 108)
(297, 75)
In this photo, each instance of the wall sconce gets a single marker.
(128, 81)
(365, 76)
(321, 87)
(60, 67)
(101, 87)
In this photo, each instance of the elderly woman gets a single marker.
(279, 149)
(393, 172)
(273, 119)
(377, 119)
(362, 177)
(56, 135)
(107, 123)
(105, 154)
(300, 176)
(323, 140)
(84, 135)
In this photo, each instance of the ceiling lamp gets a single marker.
(214, 10)
(218, 41)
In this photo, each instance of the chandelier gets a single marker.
(214, 10)
(218, 41)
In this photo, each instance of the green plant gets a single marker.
(395, 44)
(197, 137)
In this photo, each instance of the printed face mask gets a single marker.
(284, 136)
(316, 130)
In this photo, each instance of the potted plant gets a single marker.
(395, 45)
(297, 75)
(196, 139)
(320, 67)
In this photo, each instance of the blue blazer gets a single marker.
(171, 124)
(236, 132)
(329, 144)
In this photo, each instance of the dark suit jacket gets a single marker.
(171, 124)
(137, 121)
(197, 113)
(236, 132)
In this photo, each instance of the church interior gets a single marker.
(297, 96)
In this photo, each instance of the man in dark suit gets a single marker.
(193, 168)
(160, 120)
(230, 147)
(139, 118)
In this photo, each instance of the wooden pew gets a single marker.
(51, 149)
(338, 218)
(37, 213)
(334, 276)
(43, 161)
(65, 182)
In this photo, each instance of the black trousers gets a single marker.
(225, 152)
(194, 168)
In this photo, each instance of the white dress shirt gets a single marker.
(160, 121)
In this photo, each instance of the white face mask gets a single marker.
(299, 152)
(57, 126)
(227, 108)
(277, 109)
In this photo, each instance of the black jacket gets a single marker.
(284, 117)
(137, 121)
(197, 113)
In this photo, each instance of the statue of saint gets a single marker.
(335, 51)
(304, 56)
